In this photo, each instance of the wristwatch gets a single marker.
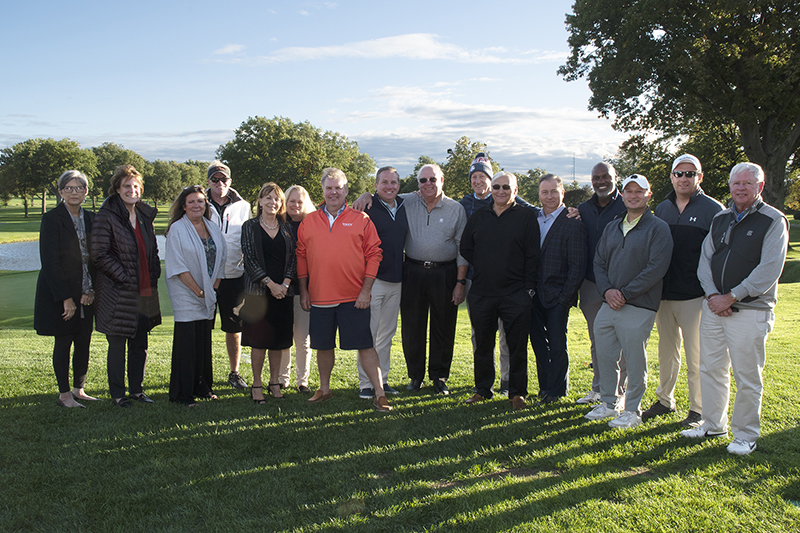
(461, 281)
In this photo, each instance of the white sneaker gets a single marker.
(627, 419)
(601, 411)
(700, 432)
(591, 397)
(741, 447)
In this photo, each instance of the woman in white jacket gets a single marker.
(195, 260)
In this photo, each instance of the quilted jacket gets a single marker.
(116, 258)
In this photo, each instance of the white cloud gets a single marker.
(418, 46)
(304, 13)
(229, 49)
(402, 123)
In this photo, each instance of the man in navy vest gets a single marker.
(741, 262)
(389, 216)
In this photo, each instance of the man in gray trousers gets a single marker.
(631, 259)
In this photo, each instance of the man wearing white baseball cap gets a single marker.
(631, 259)
(689, 212)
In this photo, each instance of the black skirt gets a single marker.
(268, 322)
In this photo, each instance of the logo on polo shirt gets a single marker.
(348, 224)
(692, 219)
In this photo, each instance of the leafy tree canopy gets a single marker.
(109, 157)
(668, 65)
(34, 166)
(289, 153)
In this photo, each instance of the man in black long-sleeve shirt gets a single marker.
(502, 242)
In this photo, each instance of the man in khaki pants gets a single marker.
(689, 212)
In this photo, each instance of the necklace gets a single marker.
(265, 224)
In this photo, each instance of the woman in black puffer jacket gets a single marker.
(125, 255)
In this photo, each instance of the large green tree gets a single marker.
(456, 168)
(664, 65)
(164, 183)
(291, 153)
(109, 157)
(33, 166)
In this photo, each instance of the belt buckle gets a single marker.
(427, 264)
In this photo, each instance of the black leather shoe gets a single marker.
(141, 397)
(547, 399)
(440, 387)
(415, 384)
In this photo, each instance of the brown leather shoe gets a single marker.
(518, 402)
(475, 399)
(382, 405)
(320, 397)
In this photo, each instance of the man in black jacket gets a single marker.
(502, 242)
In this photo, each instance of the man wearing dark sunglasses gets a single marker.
(689, 212)
(501, 241)
(230, 211)
(434, 276)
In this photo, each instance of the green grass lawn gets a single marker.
(14, 227)
(433, 464)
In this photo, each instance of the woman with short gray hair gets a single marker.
(64, 291)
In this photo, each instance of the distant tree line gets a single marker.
(261, 150)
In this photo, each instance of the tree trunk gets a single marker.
(44, 200)
(773, 157)
(25, 203)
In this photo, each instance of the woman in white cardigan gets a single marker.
(194, 261)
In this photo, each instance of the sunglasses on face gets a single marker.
(79, 188)
(505, 186)
(680, 174)
(217, 180)
(426, 180)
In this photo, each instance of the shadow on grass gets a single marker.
(289, 465)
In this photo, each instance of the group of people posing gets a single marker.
(705, 275)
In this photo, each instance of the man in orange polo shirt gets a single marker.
(338, 255)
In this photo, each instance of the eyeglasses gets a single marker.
(70, 188)
(426, 180)
(505, 186)
(217, 180)
(687, 173)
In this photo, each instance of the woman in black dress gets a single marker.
(269, 266)
(64, 291)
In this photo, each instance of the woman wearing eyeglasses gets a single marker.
(195, 260)
(64, 291)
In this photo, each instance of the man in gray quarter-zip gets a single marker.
(631, 259)
(742, 259)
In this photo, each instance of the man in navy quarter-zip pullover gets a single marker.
(689, 212)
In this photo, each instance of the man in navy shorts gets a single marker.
(338, 255)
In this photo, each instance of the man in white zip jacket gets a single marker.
(229, 212)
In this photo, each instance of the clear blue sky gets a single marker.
(172, 80)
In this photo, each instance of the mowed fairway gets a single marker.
(433, 464)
